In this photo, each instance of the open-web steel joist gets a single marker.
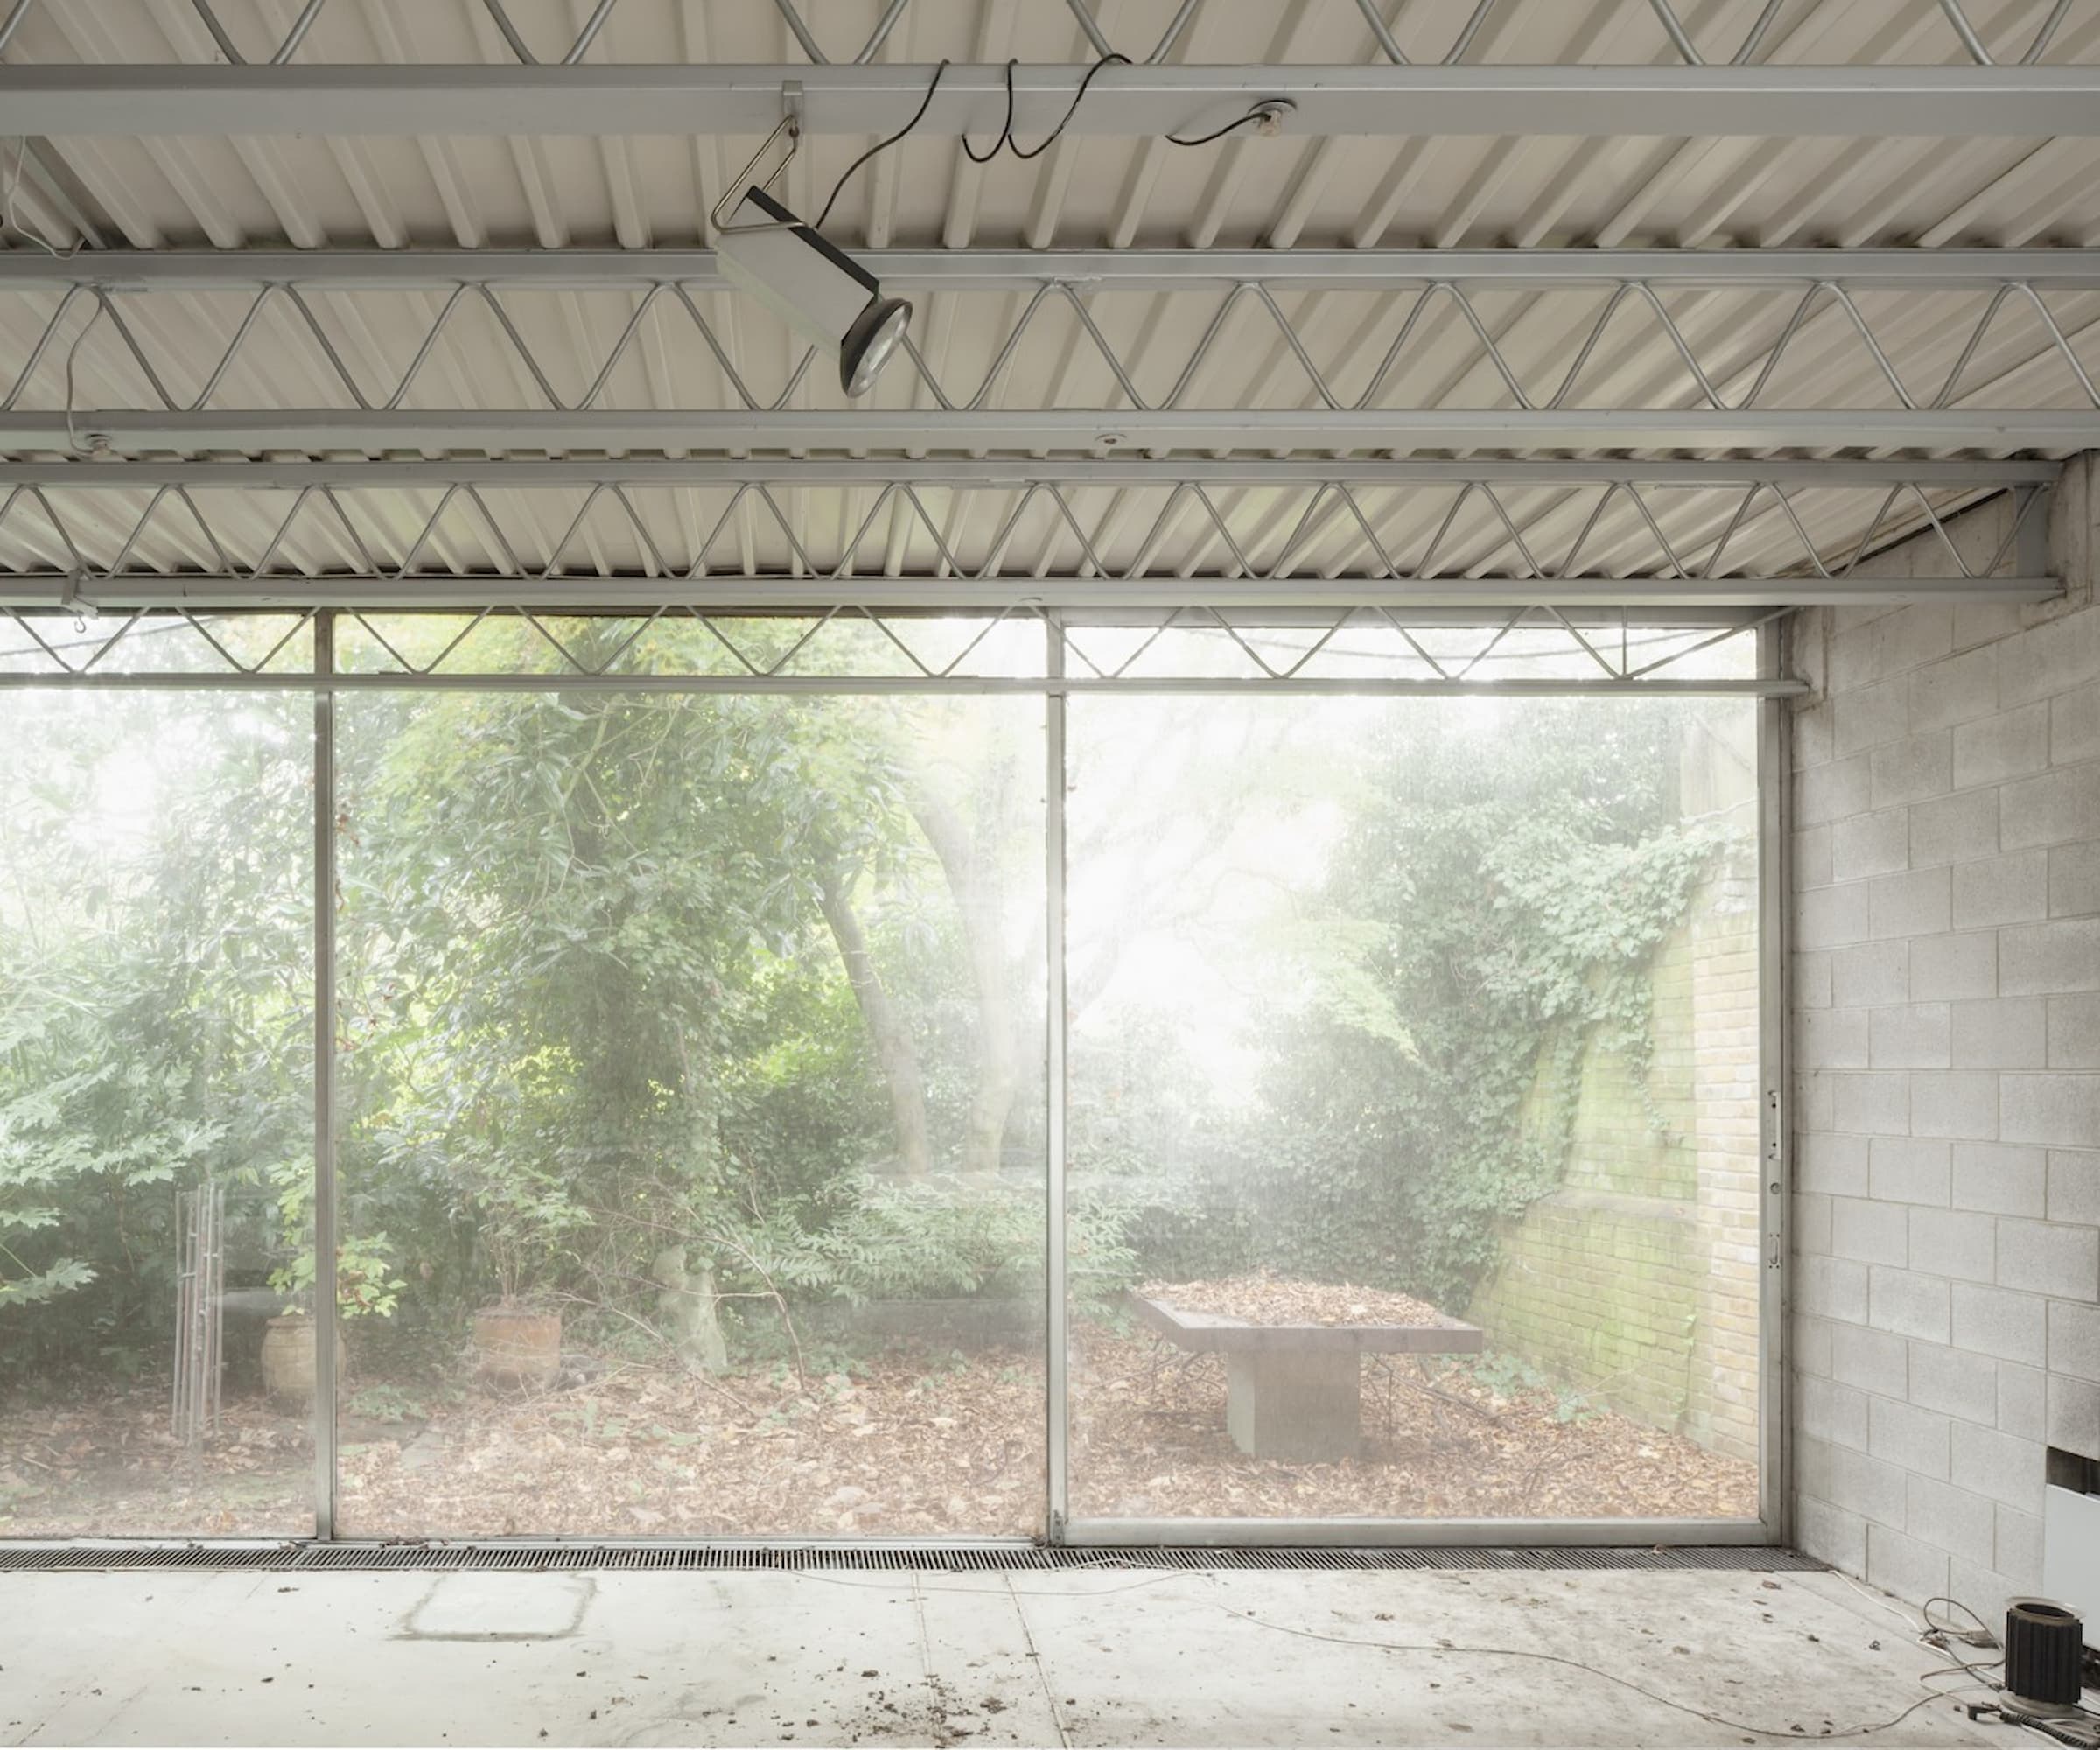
(1023, 648)
(1320, 351)
(949, 536)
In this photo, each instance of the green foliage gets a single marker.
(1530, 884)
(1492, 908)
(558, 912)
(935, 1239)
(758, 980)
(365, 1279)
(1507, 1375)
(155, 1013)
(383, 1403)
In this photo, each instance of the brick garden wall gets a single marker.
(1946, 1041)
(1637, 1281)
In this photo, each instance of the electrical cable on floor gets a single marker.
(1941, 1636)
(1257, 115)
(1882, 1601)
(1707, 1714)
(1981, 1636)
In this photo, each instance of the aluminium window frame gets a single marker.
(1772, 691)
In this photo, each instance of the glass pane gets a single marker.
(1368, 644)
(682, 641)
(156, 1114)
(1414, 1114)
(692, 1163)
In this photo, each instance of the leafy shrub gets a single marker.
(938, 1238)
(1495, 904)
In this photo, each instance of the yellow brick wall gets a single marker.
(1637, 1281)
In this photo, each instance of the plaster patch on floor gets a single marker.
(498, 1607)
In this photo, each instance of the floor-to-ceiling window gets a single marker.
(697, 1156)
(691, 1146)
(157, 1347)
(1413, 1109)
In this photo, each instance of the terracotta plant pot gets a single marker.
(288, 1354)
(517, 1346)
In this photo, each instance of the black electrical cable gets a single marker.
(1005, 128)
(1251, 118)
(1050, 139)
(838, 188)
(1007, 141)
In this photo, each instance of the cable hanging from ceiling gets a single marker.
(1266, 114)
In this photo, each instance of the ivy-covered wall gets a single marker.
(1635, 1282)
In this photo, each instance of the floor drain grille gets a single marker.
(925, 1558)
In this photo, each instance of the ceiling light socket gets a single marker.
(1270, 115)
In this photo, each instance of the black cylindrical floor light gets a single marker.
(2045, 1644)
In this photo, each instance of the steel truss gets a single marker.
(934, 537)
(1388, 352)
(845, 649)
(1674, 39)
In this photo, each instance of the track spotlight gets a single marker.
(818, 289)
(821, 291)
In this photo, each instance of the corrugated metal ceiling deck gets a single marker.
(551, 191)
(554, 191)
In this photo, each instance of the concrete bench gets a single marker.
(1291, 1392)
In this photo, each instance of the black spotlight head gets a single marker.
(870, 341)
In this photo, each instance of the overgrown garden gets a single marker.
(715, 1024)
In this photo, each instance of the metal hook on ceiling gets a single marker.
(789, 127)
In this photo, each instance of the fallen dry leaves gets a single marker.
(915, 1443)
(1266, 1298)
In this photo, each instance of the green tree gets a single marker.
(1505, 892)
(155, 1020)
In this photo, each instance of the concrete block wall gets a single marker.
(1945, 1323)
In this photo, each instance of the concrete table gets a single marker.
(1291, 1392)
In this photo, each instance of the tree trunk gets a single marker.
(887, 1030)
(687, 1308)
(993, 975)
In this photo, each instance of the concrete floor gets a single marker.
(1092, 1657)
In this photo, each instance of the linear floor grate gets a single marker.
(930, 1557)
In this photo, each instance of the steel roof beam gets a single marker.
(318, 430)
(1123, 473)
(727, 594)
(978, 269)
(1146, 102)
